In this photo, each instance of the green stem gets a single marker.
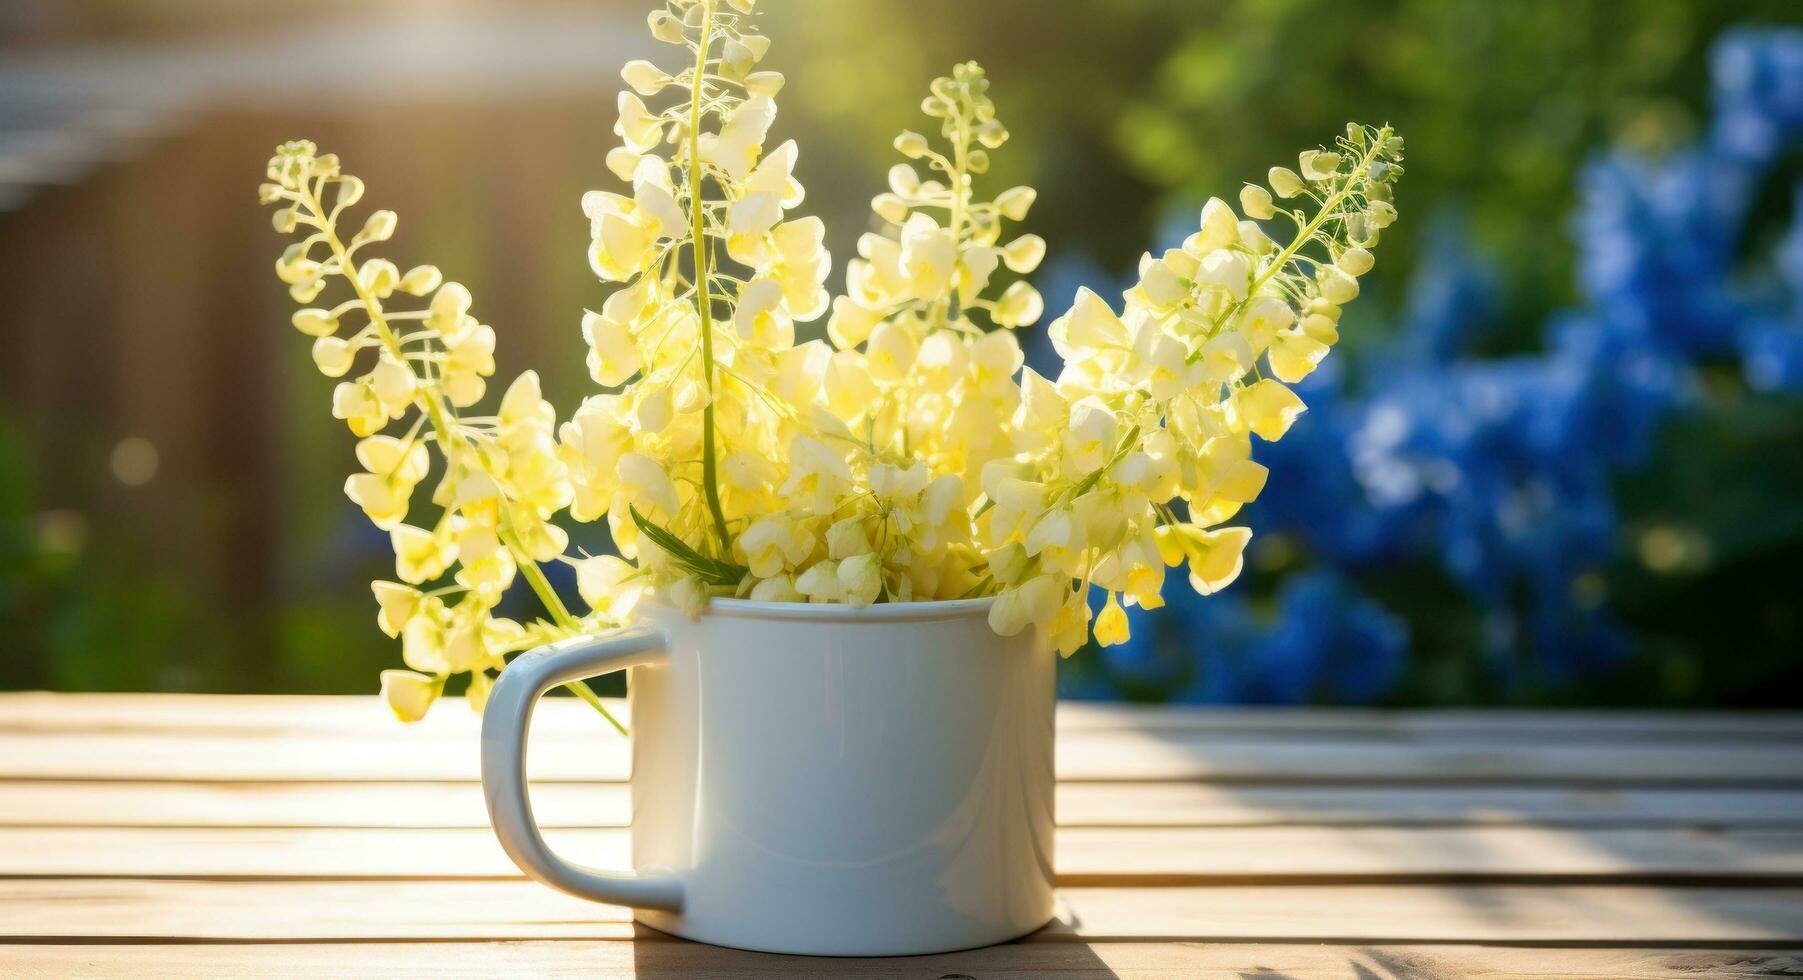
(1327, 209)
(704, 302)
(588, 694)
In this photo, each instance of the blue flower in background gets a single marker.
(1497, 472)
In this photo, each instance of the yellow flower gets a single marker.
(774, 544)
(847, 538)
(393, 385)
(646, 485)
(1033, 602)
(851, 323)
(1267, 408)
(778, 589)
(736, 146)
(397, 604)
(353, 402)
(890, 353)
(1294, 355)
(801, 266)
(419, 555)
(613, 356)
(1216, 557)
(637, 125)
(609, 585)
(408, 694)
(914, 458)
(820, 582)
(1088, 329)
(1111, 623)
(928, 255)
(861, 576)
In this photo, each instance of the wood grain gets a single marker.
(270, 836)
(650, 957)
(1146, 855)
(140, 911)
(284, 714)
(1097, 756)
(1080, 804)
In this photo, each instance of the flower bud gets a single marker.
(1020, 305)
(1284, 182)
(333, 356)
(1256, 202)
(379, 227)
(735, 59)
(1015, 201)
(1318, 164)
(644, 77)
(665, 27)
(903, 180)
(350, 191)
(315, 322)
(420, 280)
(1355, 262)
(911, 144)
(448, 307)
(379, 277)
(764, 83)
(1024, 254)
(757, 44)
(890, 208)
(307, 290)
(992, 133)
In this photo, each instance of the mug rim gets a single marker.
(838, 612)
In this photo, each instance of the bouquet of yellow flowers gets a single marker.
(908, 456)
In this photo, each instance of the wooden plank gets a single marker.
(1080, 804)
(274, 715)
(1140, 855)
(651, 958)
(1082, 755)
(137, 910)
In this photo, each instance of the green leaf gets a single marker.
(710, 570)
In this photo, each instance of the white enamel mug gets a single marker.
(810, 778)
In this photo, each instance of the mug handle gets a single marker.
(504, 722)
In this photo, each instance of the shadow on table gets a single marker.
(656, 954)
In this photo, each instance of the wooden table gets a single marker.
(188, 835)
